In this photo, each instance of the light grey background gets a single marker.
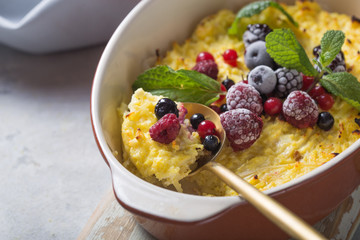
(52, 175)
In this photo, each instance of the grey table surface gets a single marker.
(52, 174)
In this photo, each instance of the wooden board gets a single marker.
(111, 222)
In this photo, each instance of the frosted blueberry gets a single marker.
(263, 78)
(256, 55)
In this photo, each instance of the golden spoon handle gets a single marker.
(278, 214)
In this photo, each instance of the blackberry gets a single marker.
(196, 119)
(207, 67)
(337, 65)
(255, 32)
(325, 121)
(288, 80)
(165, 106)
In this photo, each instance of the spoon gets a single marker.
(273, 210)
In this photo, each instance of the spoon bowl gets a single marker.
(211, 115)
(274, 211)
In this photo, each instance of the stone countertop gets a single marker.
(52, 174)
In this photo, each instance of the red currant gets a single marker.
(206, 128)
(245, 81)
(316, 91)
(307, 81)
(325, 101)
(230, 56)
(204, 56)
(273, 106)
(222, 96)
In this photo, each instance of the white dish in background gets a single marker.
(44, 26)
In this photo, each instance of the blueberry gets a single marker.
(256, 55)
(165, 106)
(228, 83)
(263, 79)
(196, 119)
(325, 121)
(223, 108)
(211, 143)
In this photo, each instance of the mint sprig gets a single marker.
(254, 9)
(283, 47)
(344, 85)
(182, 85)
(331, 44)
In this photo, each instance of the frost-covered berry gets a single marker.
(256, 55)
(243, 95)
(166, 129)
(300, 110)
(288, 80)
(207, 67)
(255, 32)
(263, 79)
(242, 127)
(337, 65)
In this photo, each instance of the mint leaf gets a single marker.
(282, 46)
(253, 9)
(181, 85)
(344, 85)
(331, 44)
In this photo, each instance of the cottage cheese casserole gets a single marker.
(282, 152)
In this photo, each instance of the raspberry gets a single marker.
(288, 80)
(207, 67)
(182, 113)
(243, 95)
(166, 129)
(300, 110)
(242, 127)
